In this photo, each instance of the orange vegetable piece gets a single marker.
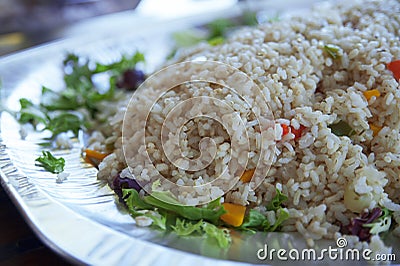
(375, 129)
(285, 129)
(234, 214)
(247, 175)
(297, 132)
(370, 93)
(395, 68)
(95, 154)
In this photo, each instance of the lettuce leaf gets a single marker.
(207, 230)
(51, 163)
(281, 216)
(200, 221)
(159, 220)
(64, 122)
(276, 202)
(188, 212)
(256, 221)
(122, 65)
(220, 234)
(332, 50)
(184, 228)
(381, 224)
(183, 220)
(135, 202)
(29, 113)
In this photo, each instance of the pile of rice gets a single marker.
(305, 86)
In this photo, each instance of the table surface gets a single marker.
(18, 244)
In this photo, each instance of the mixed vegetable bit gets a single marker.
(167, 214)
(382, 224)
(247, 175)
(72, 108)
(201, 228)
(291, 129)
(29, 113)
(234, 214)
(376, 221)
(342, 128)
(65, 122)
(124, 183)
(277, 201)
(371, 93)
(297, 132)
(51, 163)
(256, 221)
(375, 129)
(215, 32)
(184, 220)
(285, 129)
(394, 66)
(94, 157)
(165, 202)
(332, 50)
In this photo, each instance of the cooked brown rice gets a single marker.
(305, 86)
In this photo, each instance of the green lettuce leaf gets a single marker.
(64, 122)
(29, 113)
(183, 220)
(205, 229)
(382, 224)
(332, 50)
(341, 128)
(133, 201)
(215, 204)
(220, 234)
(281, 216)
(276, 202)
(184, 227)
(188, 212)
(159, 220)
(51, 163)
(256, 221)
(122, 65)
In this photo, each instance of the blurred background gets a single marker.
(27, 23)
(24, 23)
